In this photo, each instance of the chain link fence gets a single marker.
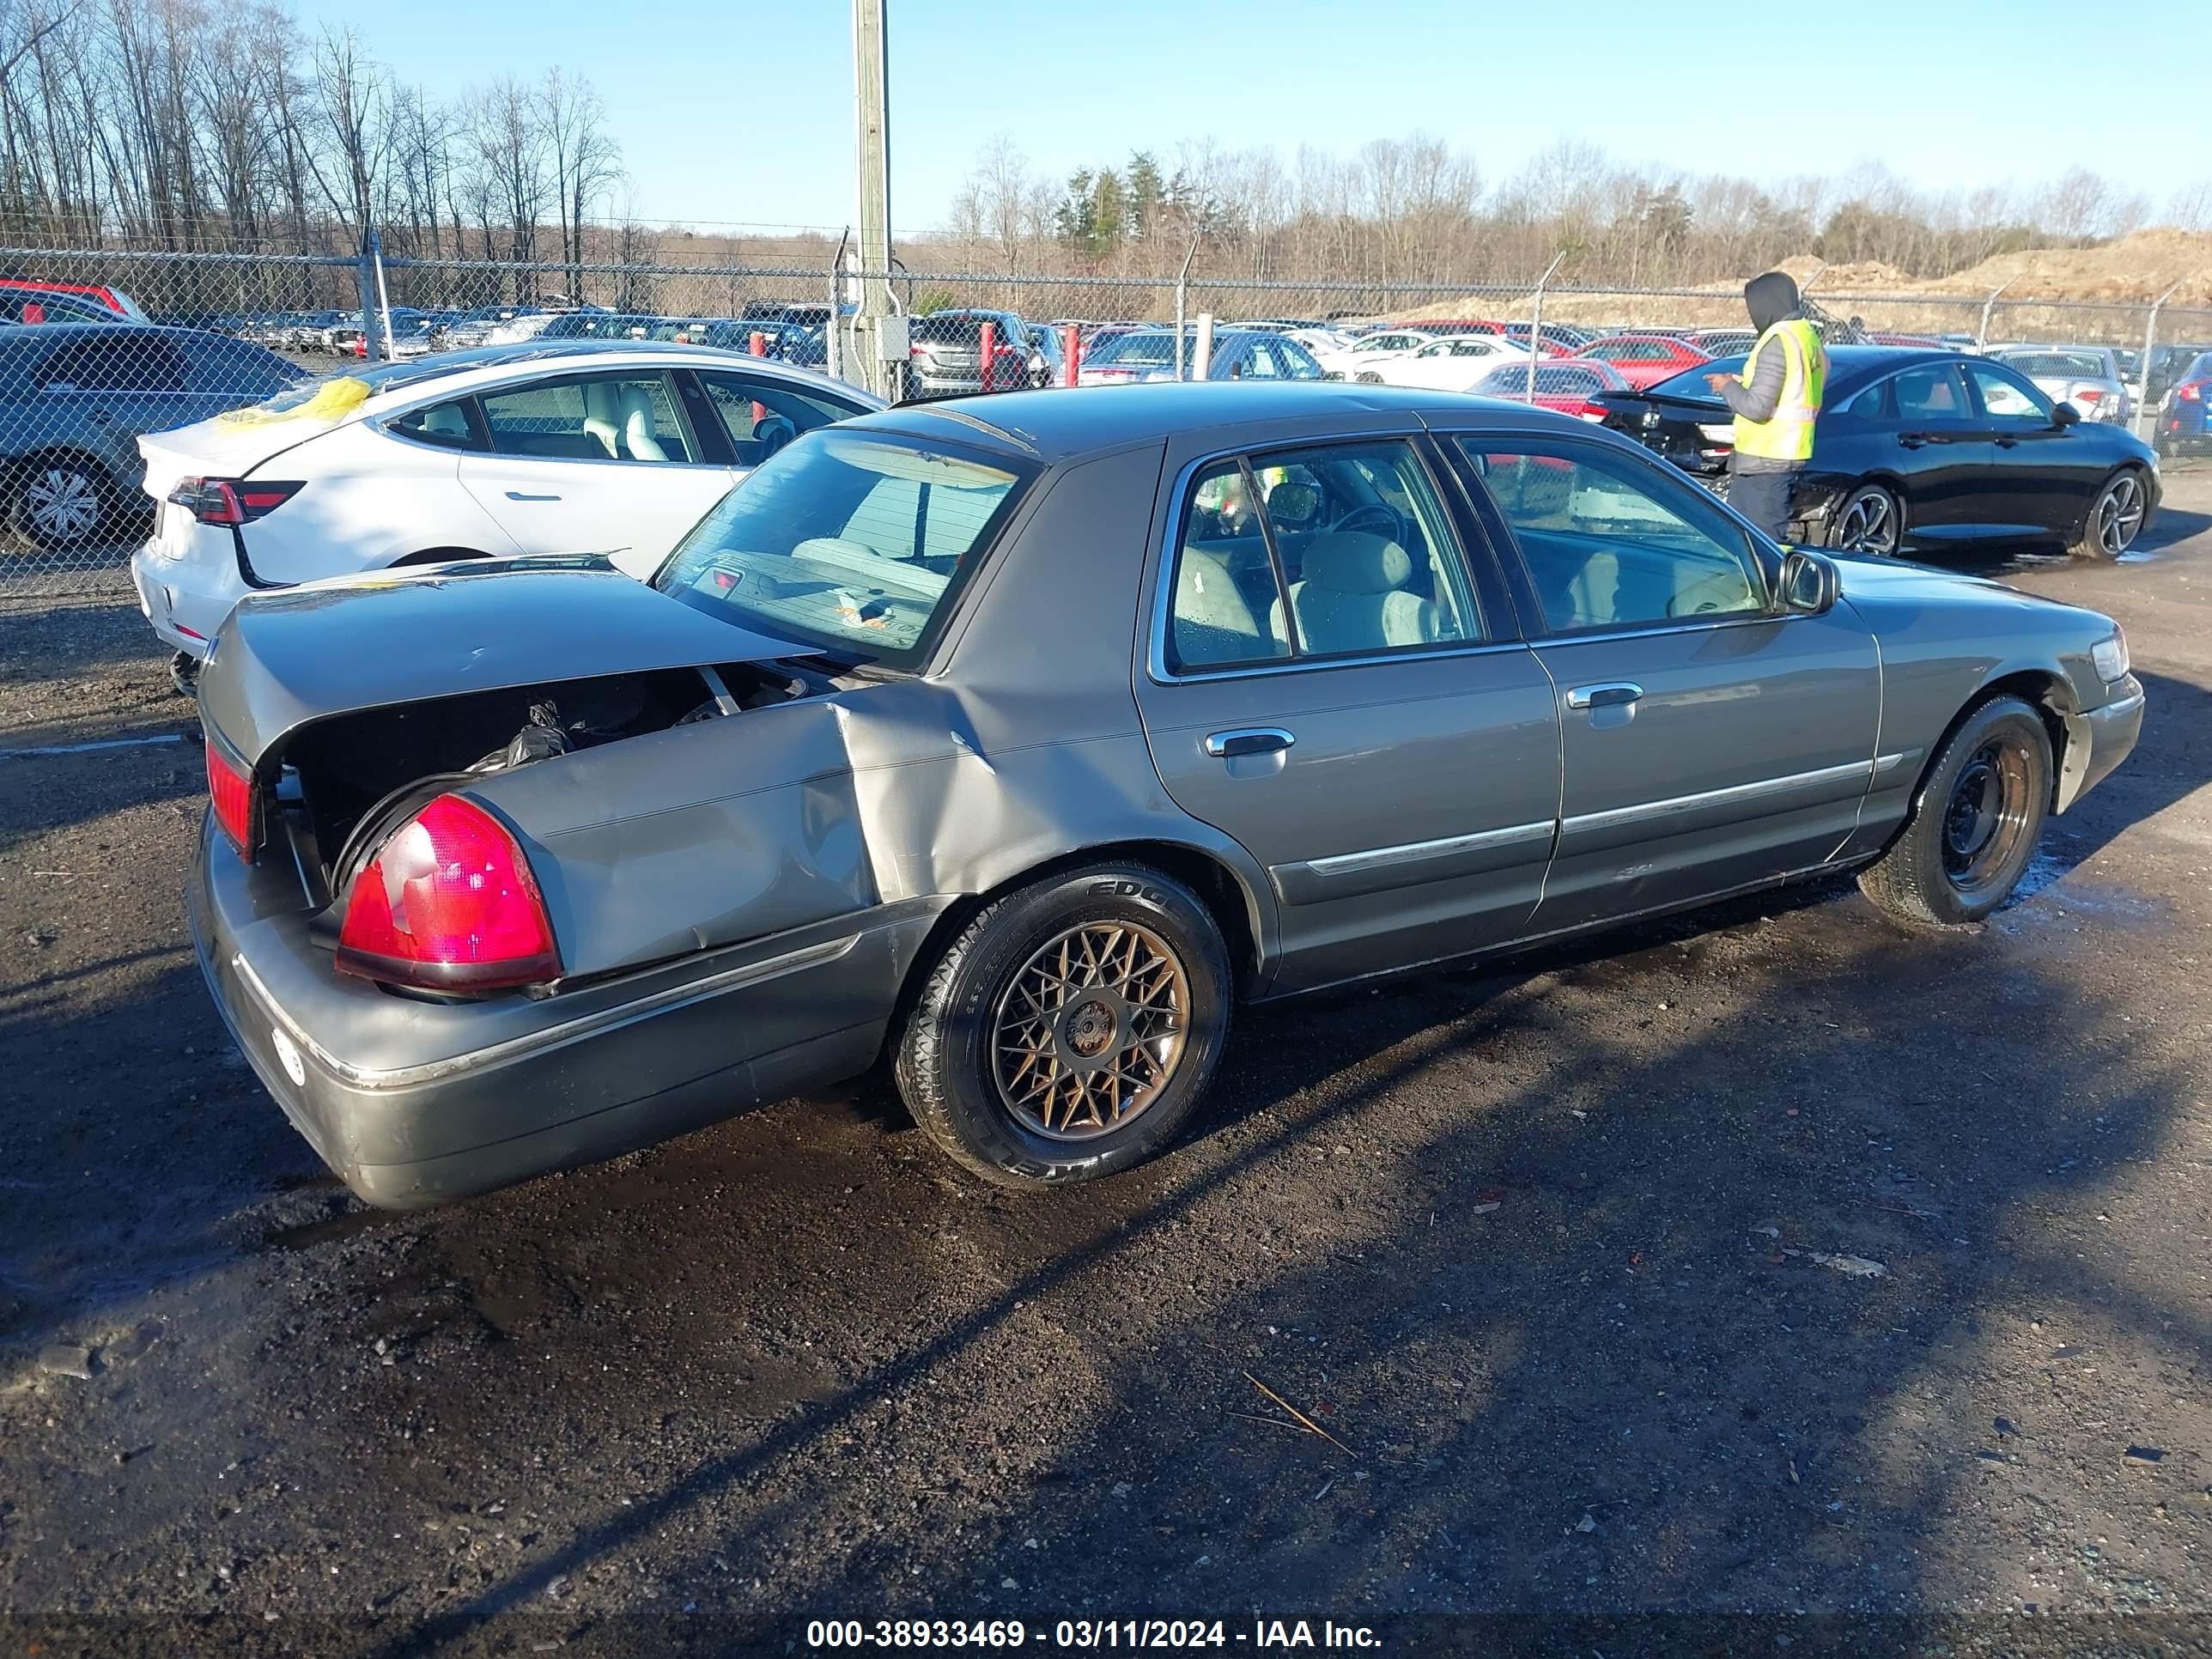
(99, 346)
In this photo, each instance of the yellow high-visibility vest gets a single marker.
(1789, 436)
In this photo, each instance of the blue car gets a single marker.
(2185, 418)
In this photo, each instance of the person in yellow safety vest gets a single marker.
(1775, 400)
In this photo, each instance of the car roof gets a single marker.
(25, 335)
(464, 371)
(1061, 425)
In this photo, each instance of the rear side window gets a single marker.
(1340, 550)
(124, 362)
(1872, 404)
(1932, 393)
(448, 425)
(599, 418)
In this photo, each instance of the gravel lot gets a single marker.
(1538, 1246)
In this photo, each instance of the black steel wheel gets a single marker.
(1972, 829)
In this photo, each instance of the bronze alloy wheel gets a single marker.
(1090, 1030)
(1987, 815)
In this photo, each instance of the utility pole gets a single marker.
(871, 98)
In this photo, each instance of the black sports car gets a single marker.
(1921, 446)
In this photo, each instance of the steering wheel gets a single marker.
(1389, 523)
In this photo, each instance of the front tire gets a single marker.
(1070, 1029)
(2115, 518)
(1975, 823)
(1871, 520)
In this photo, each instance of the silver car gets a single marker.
(1021, 742)
(2087, 377)
(75, 398)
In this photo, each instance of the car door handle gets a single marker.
(1614, 694)
(519, 496)
(1914, 439)
(1247, 740)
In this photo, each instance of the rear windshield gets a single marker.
(1691, 382)
(960, 328)
(853, 544)
(1511, 379)
(1156, 349)
(2032, 363)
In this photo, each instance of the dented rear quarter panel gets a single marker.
(1021, 745)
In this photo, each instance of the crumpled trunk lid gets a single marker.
(285, 659)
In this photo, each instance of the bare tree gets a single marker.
(350, 130)
(587, 160)
(509, 142)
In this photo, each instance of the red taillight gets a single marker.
(230, 500)
(2088, 394)
(231, 790)
(2189, 392)
(448, 903)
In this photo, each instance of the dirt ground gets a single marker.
(1539, 1247)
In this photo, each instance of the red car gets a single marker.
(1566, 384)
(23, 299)
(1645, 360)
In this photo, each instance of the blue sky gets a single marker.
(736, 112)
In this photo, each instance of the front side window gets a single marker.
(1340, 550)
(1610, 542)
(629, 417)
(2005, 400)
(851, 544)
(762, 415)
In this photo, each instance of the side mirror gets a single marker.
(2065, 416)
(1809, 585)
(1293, 506)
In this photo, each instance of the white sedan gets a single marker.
(582, 446)
(1369, 350)
(1454, 363)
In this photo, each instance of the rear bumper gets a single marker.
(187, 598)
(413, 1103)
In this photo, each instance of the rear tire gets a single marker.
(1975, 823)
(1070, 1029)
(58, 503)
(2116, 516)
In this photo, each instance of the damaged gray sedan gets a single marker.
(1017, 742)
